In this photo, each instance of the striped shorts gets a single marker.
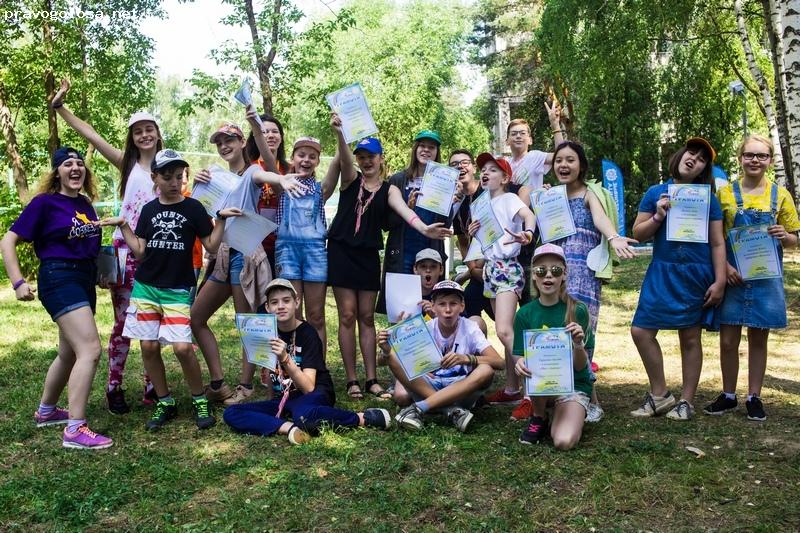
(156, 314)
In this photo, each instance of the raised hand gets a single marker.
(58, 98)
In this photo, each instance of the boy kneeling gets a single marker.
(468, 363)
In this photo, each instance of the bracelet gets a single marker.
(530, 231)
(557, 131)
(220, 217)
(615, 236)
(411, 222)
(56, 106)
(19, 283)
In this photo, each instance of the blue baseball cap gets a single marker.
(63, 153)
(369, 144)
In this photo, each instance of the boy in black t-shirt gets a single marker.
(302, 385)
(161, 296)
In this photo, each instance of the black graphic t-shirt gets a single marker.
(307, 348)
(170, 231)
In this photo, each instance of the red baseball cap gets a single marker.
(500, 161)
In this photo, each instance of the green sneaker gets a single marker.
(164, 412)
(202, 414)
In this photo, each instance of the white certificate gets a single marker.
(214, 193)
(414, 346)
(244, 97)
(351, 106)
(553, 215)
(755, 252)
(403, 295)
(687, 217)
(256, 331)
(548, 355)
(474, 252)
(245, 233)
(438, 188)
(490, 231)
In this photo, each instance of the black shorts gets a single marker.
(353, 268)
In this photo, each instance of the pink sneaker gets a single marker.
(59, 416)
(85, 439)
(595, 367)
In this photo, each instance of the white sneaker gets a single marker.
(459, 417)
(594, 413)
(655, 405)
(239, 395)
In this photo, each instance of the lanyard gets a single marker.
(361, 206)
(286, 382)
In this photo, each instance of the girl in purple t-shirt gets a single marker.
(61, 223)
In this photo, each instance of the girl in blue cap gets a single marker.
(133, 161)
(354, 243)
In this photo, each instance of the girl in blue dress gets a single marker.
(683, 284)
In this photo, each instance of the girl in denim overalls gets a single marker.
(758, 304)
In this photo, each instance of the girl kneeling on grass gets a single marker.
(161, 297)
(303, 389)
(61, 222)
(553, 307)
(683, 284)
(759, 304)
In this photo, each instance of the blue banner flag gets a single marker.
(721, 179)
(612, 180)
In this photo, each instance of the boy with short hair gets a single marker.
(466, 370)
(302, 386)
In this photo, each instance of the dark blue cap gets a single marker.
(370, 144)
(63, 153)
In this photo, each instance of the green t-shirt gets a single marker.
(534, 315)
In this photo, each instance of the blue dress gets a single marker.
(758, 303)
(678, 277)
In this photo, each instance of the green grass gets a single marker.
(626, 474)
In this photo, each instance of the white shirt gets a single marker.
(529, 169)
(505, 207)
(468, 339)
(139, 190)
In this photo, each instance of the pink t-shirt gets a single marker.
(138, 191)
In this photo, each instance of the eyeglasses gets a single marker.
(555, 270)
(520, 133)
(462, 163)
(761, 156)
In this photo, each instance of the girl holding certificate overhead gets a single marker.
(61, 223)
(683, 284)
(142, 141)
(503, 277)
(754, 301)
(243, 276)
(354, 243)
(553, 308)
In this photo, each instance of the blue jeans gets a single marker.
(302, 260)
(308, 412)
(66, 285)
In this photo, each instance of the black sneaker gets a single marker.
(116, 401)
(535, 432)
(755, 409)
(377, 418)
(721, 405)
(163, 413)
(202, 414)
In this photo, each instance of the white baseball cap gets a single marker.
(141, 116)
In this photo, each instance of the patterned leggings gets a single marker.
(119, 346)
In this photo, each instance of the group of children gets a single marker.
(289, 274)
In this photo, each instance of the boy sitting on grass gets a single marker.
(302, 386)
(466, 370)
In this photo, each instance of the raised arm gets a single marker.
(261, 140)
(646, 224)
(136, 244)
(554, 116)
(281, 183)
(112, 154)
(604, 225)
(212, 241)
(346, 168)
(432, 231)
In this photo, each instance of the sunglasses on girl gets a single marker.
(555, 270)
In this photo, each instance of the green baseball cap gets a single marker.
(429, 134)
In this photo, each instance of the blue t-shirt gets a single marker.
(675, 251)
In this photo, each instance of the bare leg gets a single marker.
(505, 307)
(692, 360)
(366, 331)
(567, 425)
(315, 310)
(154, 365)
(729, 339)
(757, 359)
(298, 287)
(481, 324)
(347, 306)
(240, 305)
(210, 298)
(80, 331)
(650, 352)
(191, 368)
(58, 373)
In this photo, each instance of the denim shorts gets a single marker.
(235, 266)
(578, 397)
(301, 260)
(65, 285)
(440, 382)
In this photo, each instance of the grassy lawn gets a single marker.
(626, 474)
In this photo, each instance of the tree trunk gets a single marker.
(755, 71)
(790, 37)
(774, 28)
(12, 149)
(264, 61)
(49, 82)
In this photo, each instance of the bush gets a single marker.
(10, 208)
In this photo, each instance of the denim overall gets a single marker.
(300, 250)
(757, 303)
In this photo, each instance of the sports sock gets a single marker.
(422, 406)
(46, 410)
(74, 424)
(730, 395)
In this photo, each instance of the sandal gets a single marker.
(354, 390)
(381, 393)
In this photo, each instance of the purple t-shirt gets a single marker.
(60, 227)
